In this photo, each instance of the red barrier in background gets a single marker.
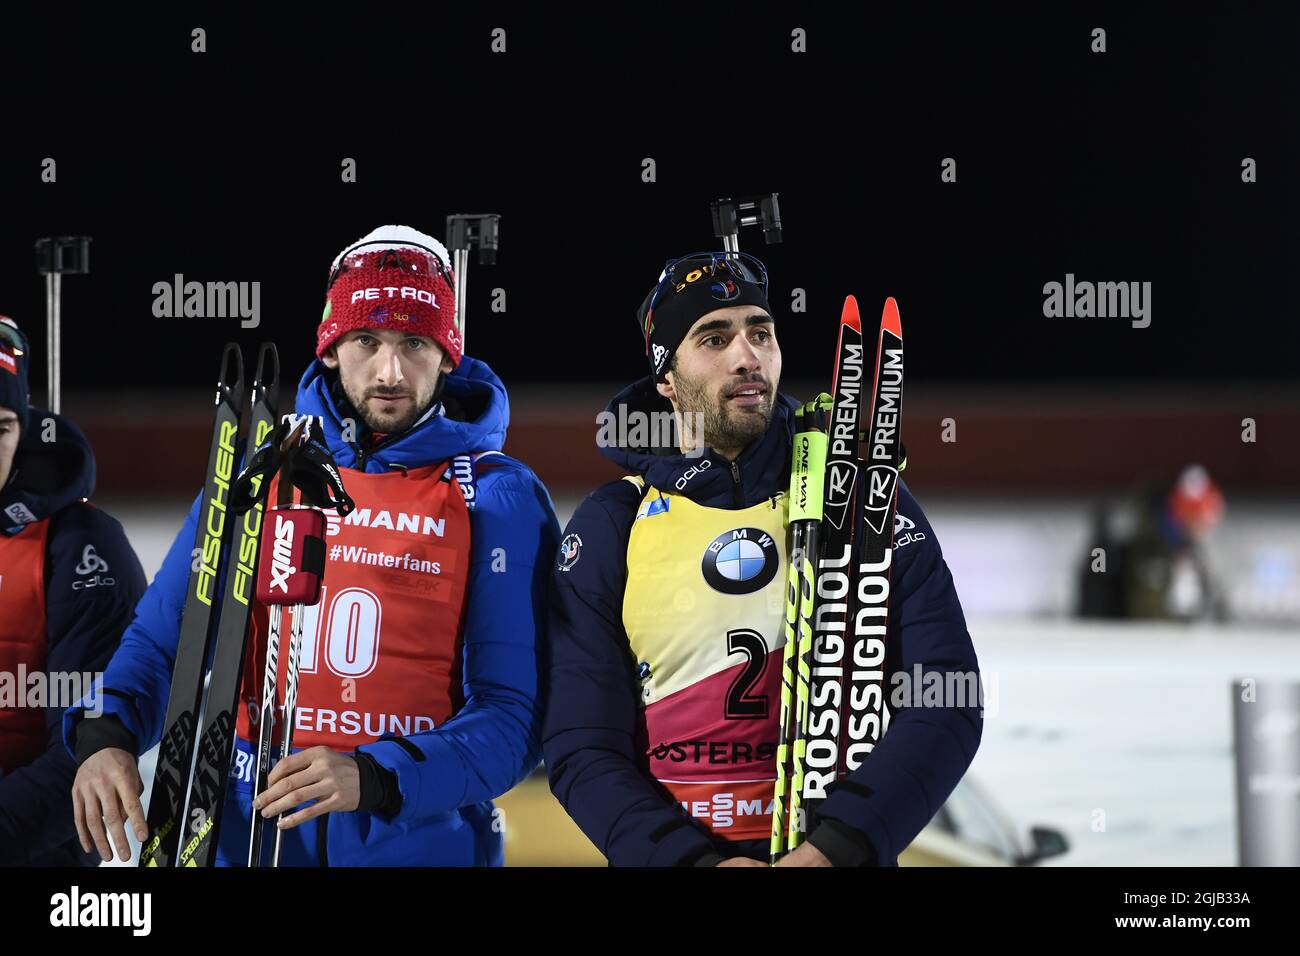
(1026, 441)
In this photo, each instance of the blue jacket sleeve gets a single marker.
(492, 741)
(138, 678)
(88, 604)
(589, 732)
(925, 750)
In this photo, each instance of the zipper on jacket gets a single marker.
(736, 496)
(392, 437)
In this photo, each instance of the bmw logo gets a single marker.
(740, 561)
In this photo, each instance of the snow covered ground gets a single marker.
(1129, 725)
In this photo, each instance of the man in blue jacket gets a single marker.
(666, 622)
(418, 695)
(69, 583)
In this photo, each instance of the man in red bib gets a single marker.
(417, 701)
(69, 582)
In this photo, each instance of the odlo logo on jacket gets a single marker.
(905, 531)
(92, 563)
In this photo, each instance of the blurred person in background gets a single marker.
(1167, 574)
(69, 583)
(1162, 571)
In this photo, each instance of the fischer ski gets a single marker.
(217, 735)
(176, 748)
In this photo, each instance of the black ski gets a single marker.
(866, 717)
(835, 592)
(176, 748)
(217, 734)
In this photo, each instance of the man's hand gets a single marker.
(741, 861)
(317, 773)
(804, 855)
(107, 790)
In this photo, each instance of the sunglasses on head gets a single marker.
(408, 257)
(684, 271)
(12, 336)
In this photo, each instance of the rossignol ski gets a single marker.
(866, 715)
(834, 592)
(820, 720)
(838, 675)
(176, 748)
(217, 735)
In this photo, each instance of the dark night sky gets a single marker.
(1116, 167)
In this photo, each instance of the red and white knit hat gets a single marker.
(393, 278)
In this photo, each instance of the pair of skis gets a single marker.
(194, 759)
(188, 795)
(843, 494)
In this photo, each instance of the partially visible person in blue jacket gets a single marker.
(666, 625)
(69, 583)
(418, 702)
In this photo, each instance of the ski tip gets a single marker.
(849, 315)
(232, 367)
(268, 365)
(889, 319)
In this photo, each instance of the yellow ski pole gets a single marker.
(807, 483)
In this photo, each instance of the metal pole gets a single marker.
(466, 230)
(461, 257)
(1266, 732)
(53, 308)
(54, 257)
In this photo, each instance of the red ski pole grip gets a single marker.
(293, 556)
